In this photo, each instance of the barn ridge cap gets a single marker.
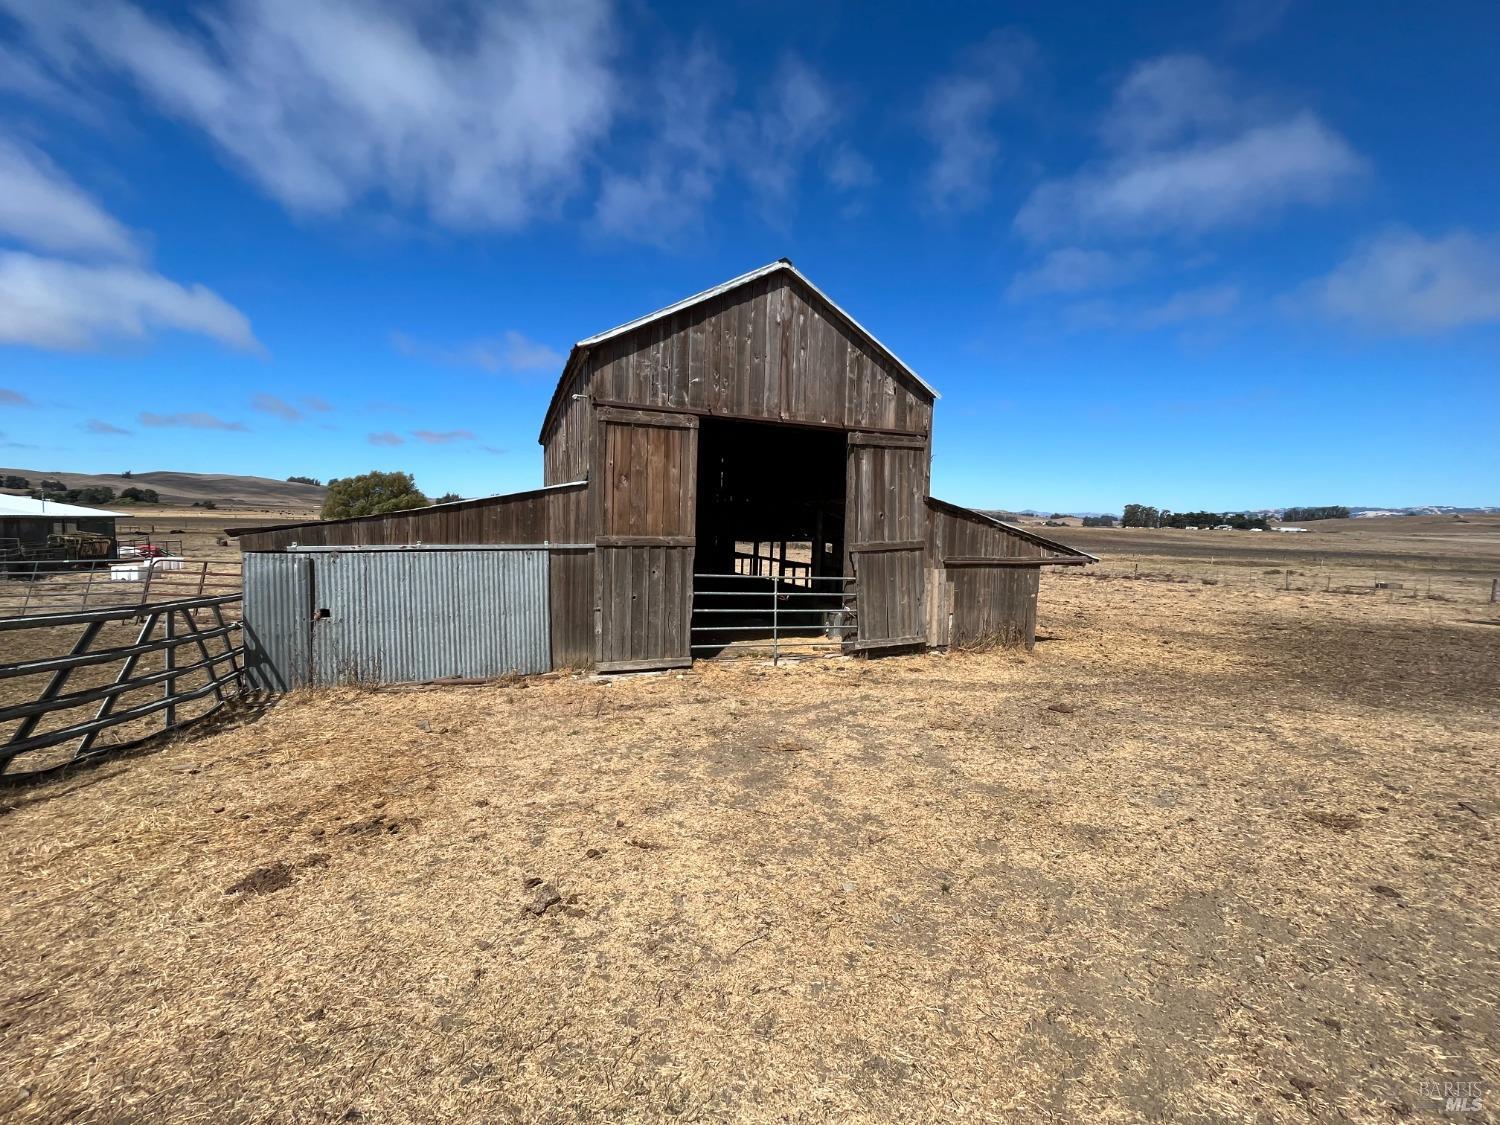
(708, 294)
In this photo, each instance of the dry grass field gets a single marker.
(1216, 850)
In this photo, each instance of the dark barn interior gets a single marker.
(770, 524)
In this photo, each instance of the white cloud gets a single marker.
(956, 118)
(1073, 269)
(511, 352)
(190, 419)
(41, 207)
(482, 117)
(49, 303)
(98, 426)
(9, 397)
(387, 438)
(442, 437)
(1403, 282)
(315, 402)
(1190, 154)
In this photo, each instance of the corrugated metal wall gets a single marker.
(278, 615)
(398, 616)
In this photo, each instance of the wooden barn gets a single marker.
(749, 458)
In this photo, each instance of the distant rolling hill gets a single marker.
(227, 492)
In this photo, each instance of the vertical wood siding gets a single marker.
(885, 529)
(770, 350)
(646, 512)
(566, 453)
(973, 606)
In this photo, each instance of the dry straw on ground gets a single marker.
(1208, 854)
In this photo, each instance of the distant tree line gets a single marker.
(305, 480)
(1327, 512)
(1143, 515)
(10, 480)
(93, 494)
(1098, 521)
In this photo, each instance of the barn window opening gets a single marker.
(770, 537)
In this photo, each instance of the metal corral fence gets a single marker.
(49, 586)
(67, 678)
(747, 614)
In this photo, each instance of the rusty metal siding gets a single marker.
(278, 615)
(403, 616)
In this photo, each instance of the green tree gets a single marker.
(372, 494)
(1140, 515)
(304, 480)
(141, 495)
(447, 498)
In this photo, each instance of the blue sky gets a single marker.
(1193, 255)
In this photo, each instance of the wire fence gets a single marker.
(1390, 580)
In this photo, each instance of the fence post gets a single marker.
(202, 576)
(775, 637)
(169, 686)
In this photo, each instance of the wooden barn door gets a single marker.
(884, 526)
(646, 496)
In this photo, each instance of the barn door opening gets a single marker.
(887, 527)
(646, 513)
(770, 558)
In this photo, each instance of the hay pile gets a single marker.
(1159, 868)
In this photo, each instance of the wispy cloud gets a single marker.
(495, 450)
(316, 404)
(72, 306)
(42, 208)
(1210, 302)
(9, 397)
(387, 438)
(480, 118)
(442, 437)
(513, 352)
(849, 170)
(1191, 153)
(957, 117)
(698, 138)
(276, 407)
(1073, 269)
(97, 426)
(1403, 282)
(192, 419)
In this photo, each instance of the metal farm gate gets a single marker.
(363, 616)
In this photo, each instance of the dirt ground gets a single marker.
(1209, 853)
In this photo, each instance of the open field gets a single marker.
(1212, 852)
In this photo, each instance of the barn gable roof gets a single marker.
(582, 347)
